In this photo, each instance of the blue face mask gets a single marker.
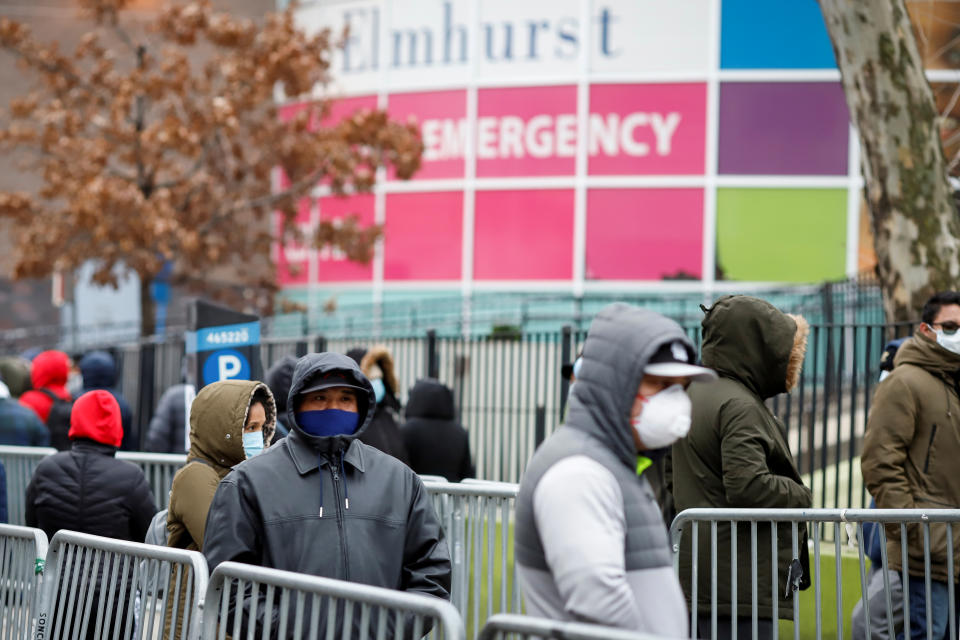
(379, 390)
(253, 443)
(328, 422)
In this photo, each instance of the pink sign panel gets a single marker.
(644, 234)
(442, 119)
(333, 265)
(647, 129)
(528, 131)
(293, 258)
(523, 235)
(423, 236)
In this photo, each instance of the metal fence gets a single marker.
(22, 555)
(257, 603)
(98, 587)
(19, 464)
(740, 536)
(506, 626)
(477, 518)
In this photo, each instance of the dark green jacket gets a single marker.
(736, 454)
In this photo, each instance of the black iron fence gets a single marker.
(510, 394)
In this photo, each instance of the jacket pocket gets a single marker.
(926, 461)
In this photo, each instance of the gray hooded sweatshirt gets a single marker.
(591, 545)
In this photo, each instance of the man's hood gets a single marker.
(755, 343)
(99, 370)
(15, 373)
(619, 345)
(924, 352)
(217, 416)
(430, 398)
(96, 415)
(380, 356)
(314, 364)
(50, 369)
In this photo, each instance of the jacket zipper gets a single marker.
(926, 463)
(340, 523)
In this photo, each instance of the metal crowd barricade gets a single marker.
(22, 554)
(118, 589)
(284, 604)
(159, 469)
(19, 463)
(477, 518)
(504, 626)
(904, 524)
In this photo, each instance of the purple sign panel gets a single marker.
(783, 128)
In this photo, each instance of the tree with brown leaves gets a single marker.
(146, 155)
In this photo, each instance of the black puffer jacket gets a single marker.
(87, 489)
(288, 507)
(436, 443)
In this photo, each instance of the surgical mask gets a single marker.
(949, 342)
(252, 443)
(379, 389)
(883, 375)
(665, 418)
(328, 422)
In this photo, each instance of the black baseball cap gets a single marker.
(675, 360)
(329, 380)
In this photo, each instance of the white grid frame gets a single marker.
(581, 182)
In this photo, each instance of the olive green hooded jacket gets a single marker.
(217, 417)
(911, 446)
(736, 454)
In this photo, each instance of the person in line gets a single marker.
(278, 378)
(48, 376)
(19, 426)
(167, 432)
(737, 456)
(15, 373)
(99, 371)
(87, 489)
(909, 450)
(230, 421)
(435, 441)
(384, 430)
(323, 503)
(590, 542)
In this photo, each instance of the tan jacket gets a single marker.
(217, 416)
(912, 446)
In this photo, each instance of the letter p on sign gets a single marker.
(229, 366)
(225, 364)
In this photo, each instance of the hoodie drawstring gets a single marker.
(346, 498)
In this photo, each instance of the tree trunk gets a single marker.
(148, 307)
(912, 211)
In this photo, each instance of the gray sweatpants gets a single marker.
(877, 608)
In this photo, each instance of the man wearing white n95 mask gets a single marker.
(590, 542)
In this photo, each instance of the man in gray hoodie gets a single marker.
(590, 542)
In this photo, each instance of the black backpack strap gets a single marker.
(50, 394)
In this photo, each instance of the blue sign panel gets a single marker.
(229, 335)
(225, 364)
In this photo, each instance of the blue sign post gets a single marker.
(223, 351)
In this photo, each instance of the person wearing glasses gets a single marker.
(910, 448)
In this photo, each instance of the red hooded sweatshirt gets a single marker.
(96, 415)
(48, 371)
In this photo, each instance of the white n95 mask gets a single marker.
(950, 342)
(665, 418)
